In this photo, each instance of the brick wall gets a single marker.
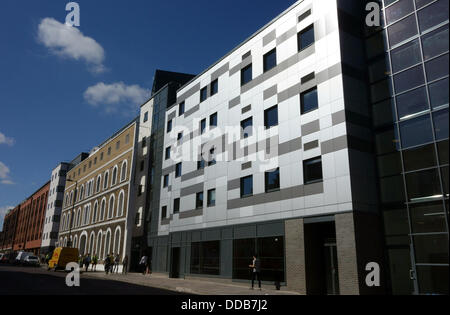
(295, 256)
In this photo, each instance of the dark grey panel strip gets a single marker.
(234, 102)
(269, 37)
(191, 213)
(334, 145)
(247, 54)
(192, 111)
(191, 190)
(304, 14)
(246, 109)
(243, 64)
(270, 92)
(311, 145)
(234, 184)
(168, 170)
(192, 175)
(283, 194)
(307, 78)
(172, 115)
(221, 71)
(246, 166)
(188, 93)
(287, 35)
(310, 128)
(338, 118)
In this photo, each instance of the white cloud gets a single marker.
(67, 41)
(3, 211)
(5, 140)
(4, 175)
(116, 96)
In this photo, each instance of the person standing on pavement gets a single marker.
(107, 263)
(87, 261)
(256, 271)
(117, 263)
(143, 264)
(94, 262)
(125, 265)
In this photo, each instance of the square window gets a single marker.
(271, 117)
(416, 131)
(312, 171)
(200, 164)
(306, 38)
(168, 153)
(270, 60)
(214, 87)
(199, 200)
(272, 180)
(247, 186)
(166, 181)
(213, 120)
(247, 128)
(178, 170)
(169, 126)
(212, 198)
(176, 205)
(246, 74)
(181, 109)
(203, 126)
(203, 94)
(309, 101)
(164, 213)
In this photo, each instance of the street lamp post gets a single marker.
(69, 242)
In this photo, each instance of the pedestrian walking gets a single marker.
(125, 265)
(87, 261)
(256, 271)
(94, 263)
(143, 264)
(117, 263)
(107, 263)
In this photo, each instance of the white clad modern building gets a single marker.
(270, 156)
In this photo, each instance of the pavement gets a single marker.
(203, 286)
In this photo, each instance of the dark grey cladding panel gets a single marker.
(211, 235)
(192, 175)
(270, 229)
(172, 115)
(227, 233)
(188, 93)
(196, 236)
(247, 54)
(285, 36)
(283, 194)
(243, 232)
(270, 92)
(234, 102)
(334, 145)
(234, 184)
(168, 170)
(191, 214)
(192, 111)
(246, 166)
(269, 37)
(290, 146)
(307, 78)
(245, 62)
(310, 128)
(221, 71)
(311, 145)
(187, 191)
(246, 109)
(338, 118)
(304, 14)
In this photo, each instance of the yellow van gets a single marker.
(62, 256)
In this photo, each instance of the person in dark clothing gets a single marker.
(87, 261)
(256, 271)
(125, 265)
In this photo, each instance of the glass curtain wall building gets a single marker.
(408, 73)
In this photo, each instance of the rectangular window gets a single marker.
(214, 87)
(169, 126)
(306, 38)
(176, 205)
(109, 151)
(203, 126)
(312, 171)
(203, 94)
(213, 120)
(166, 181)
(435, 43)
(200, 164)
(144, 142)
(142, 165)
(270, 60)
(399, 10)
(180, 136)
(272, 180)
(178, 170)
(247, 128)
(168, 152)
(416, 131)
(205, 258)
(439, 93)
(309, 101)
(246, 74)
(199, 200)
(181, 109)
(271, 117)
(406, 56)
(246, 186)
(402, 30)
(212, 157)
(212, 198)
(146, 117)
(411, 103)
(164, 213)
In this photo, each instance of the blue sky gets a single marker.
(63, 91)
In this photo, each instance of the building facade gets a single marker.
(30, 222)
(269, 151)
(408, 77)
(9, 229)
(98, 213)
